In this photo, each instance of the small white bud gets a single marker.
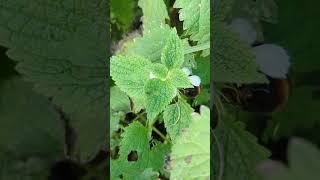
(186, 70)
(195, 80)
(273, 60)
(151, 75)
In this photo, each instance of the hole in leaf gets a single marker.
(133, 156)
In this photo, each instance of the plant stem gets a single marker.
(196, 48)
(160, 134)
(138, 116)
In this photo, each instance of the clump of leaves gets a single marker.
(60, 48)
(236, 151)
(148, 77)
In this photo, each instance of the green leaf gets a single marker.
(203, 69)
(285, 34)
(32, 135)
(222, 9)
(64, 55)
(292, 118)
(136, 138)
(152, 20)
(158, 95)
(158, 70)
(177, 117)
(130, 74)
(179, 79)
(172, 55)
(233, 60)
(240, 151)
(304, 159)
(204, 97)
(148, 174)
(119, 101)
(122, 12)
(114, 126)
(151, 44)
(191, 153)
(157, 155)
(195, 15)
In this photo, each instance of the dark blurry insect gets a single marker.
(270, 97)
(192, 92)
(274, 63)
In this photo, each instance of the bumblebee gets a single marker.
(192, 92)
(274, 62)
(264, 98)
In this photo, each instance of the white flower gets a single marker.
(151, 75)
(195, 80)
(186, 70)
(273, 60)
(245, 29)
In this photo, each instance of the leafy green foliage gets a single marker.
(240, 151)
(151, 44)
(196, 18)
(158, 95)
(60, 47)
(177, 117)
(285, 34)
(130, 74)
(120, 105)
(172, 54)
(136, 138)
(122, 12)
(150, 18)
(233, 60)
(32, 136)
(304, 86)
(179, 79)
(119, 101)
(155, 30)
(148, 69)
(141, 79)
(191, 152)
(293, 118)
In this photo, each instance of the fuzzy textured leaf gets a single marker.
(61, 47)
(241, 152)
(151, 44)
(32, 139)
(177, 117)
(136, 138)
(179, 79)
(158, 95)
(191, 152)
(130, 74)
(152, 20)
(122, 12)
(172, 54)
(119, 101)
(195, 15)
(233, 60)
